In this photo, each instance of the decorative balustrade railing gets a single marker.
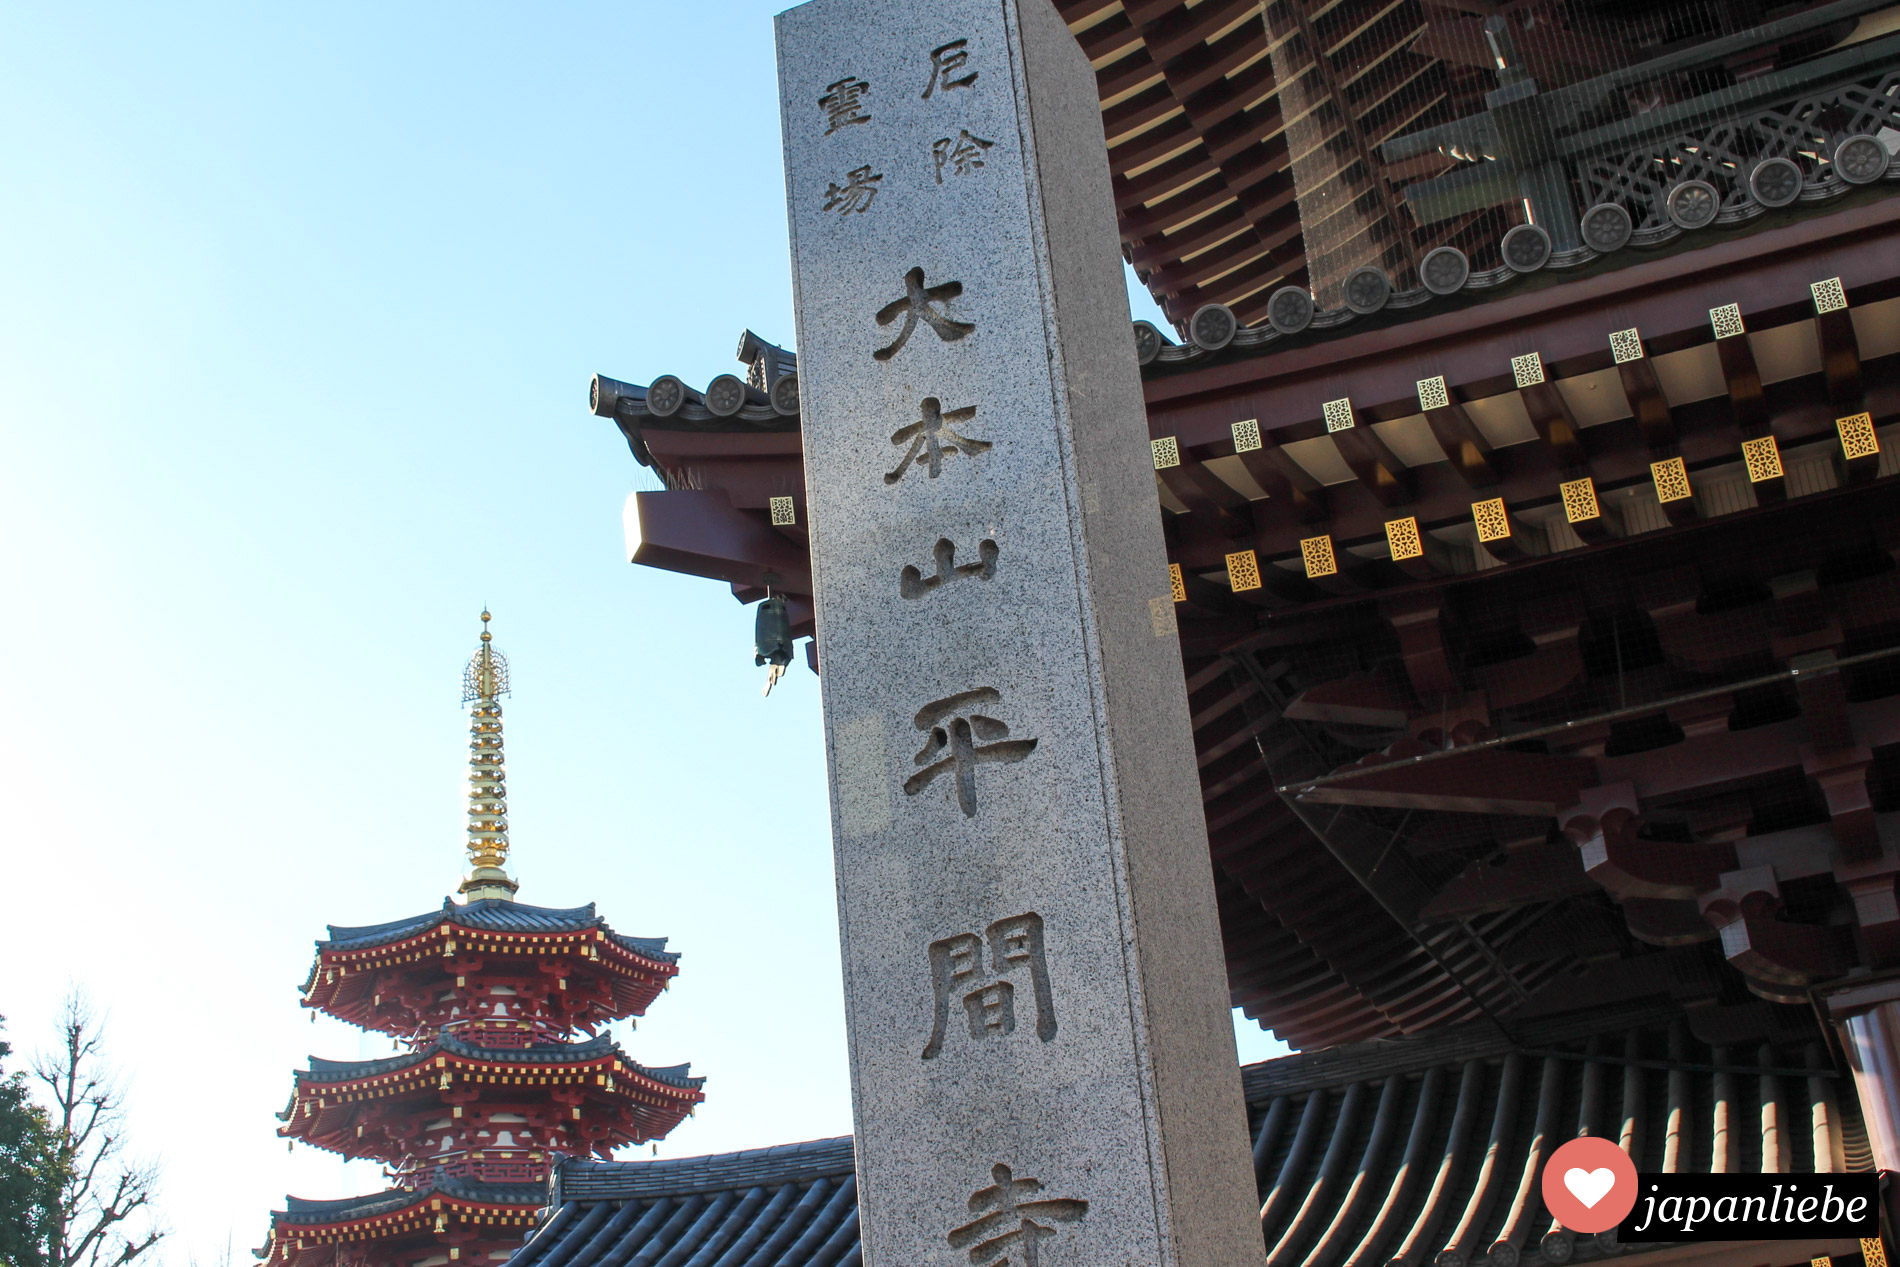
(1648, 151)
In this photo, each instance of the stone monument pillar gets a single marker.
(1042, 1058)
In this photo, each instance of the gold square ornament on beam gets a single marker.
(1317, 554)
(1857, 436)
(1671, 477)
(1177, 584)
(1402, 538)
(1580, 500)
(1243, 571)
(1763, 459)
(1492, 520)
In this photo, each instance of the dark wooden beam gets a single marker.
(1550, 413)
(1463, 444)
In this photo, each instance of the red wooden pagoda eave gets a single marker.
(353, 1117)
(341, 980)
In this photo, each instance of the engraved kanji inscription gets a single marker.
(1011, 1229)
(843, 103)
(962, 153)
(857, 192)
(934, 438)
(960, 739)
(945, 61)
(912, 583)
(918, 301)
(989, 999)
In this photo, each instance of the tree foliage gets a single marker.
(103, 1214)
(30, 1173)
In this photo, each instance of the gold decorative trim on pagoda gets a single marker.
(1527, 370)
(1167, 452)
(784, 512)
(1177, 584)
(1317, 554)
(1857, 436)
(1671, 478)
(1763, 459)
(484, 680)
(1338, 414)
(1626, 346)
(1580, 500)
(1403, 540)
(1433, 394)
(1829, 296)
(1246, 435)
(1726, 321)
(1243, 571)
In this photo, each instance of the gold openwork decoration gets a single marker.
(1874, 1250)
(1432, 393)
(784, 513)
(1527, 369)
(1626, 345)
(1317, 554)
(1671, 478)
(1246, 435)
(1177, 584)
(1494, 524)
(1823, 1261)
(1857, 436)
(1338, 414)
(1243, 571)
(1763, 459)
(1401, 536)
(1726, 321)
(1580, 500)
(1167, 452)
(1829, 295)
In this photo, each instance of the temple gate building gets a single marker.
(1523, 435)
(503, 1075)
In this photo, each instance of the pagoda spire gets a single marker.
(483, 681)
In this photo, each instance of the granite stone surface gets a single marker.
(1043, 1066)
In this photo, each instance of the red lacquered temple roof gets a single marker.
(366, 1107)
(368, 975)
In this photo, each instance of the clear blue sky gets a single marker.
(297, 311)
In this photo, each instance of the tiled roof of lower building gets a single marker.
(791, 1206)
(1390, 1153)
(493, 915)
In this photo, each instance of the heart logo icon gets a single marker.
(1589, 1186)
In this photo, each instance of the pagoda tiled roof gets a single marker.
(493, 915)
(299, 1212)
(594, 1048)
(1346, 1143)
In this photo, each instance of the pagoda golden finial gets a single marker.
(483, 681)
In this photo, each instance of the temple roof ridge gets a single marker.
(577, 1179)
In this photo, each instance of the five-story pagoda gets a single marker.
(498, 1004)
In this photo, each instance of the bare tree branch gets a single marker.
(105, 1216)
